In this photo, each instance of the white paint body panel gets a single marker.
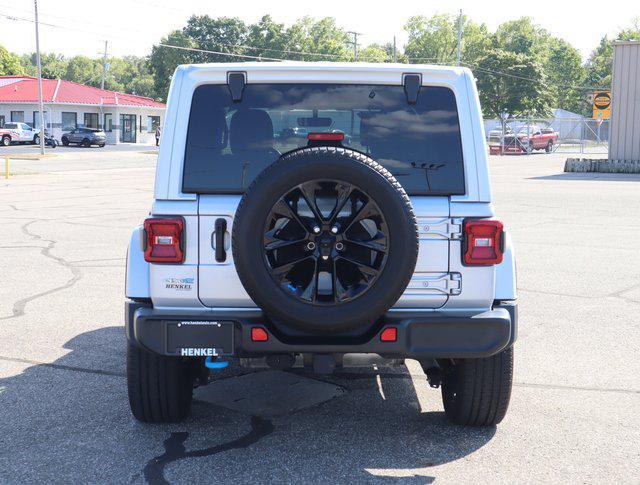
(137, 274)
(506, 279)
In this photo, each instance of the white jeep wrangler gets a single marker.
(304, 211)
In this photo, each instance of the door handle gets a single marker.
(220, 231)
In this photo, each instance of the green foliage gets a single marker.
(163, 61)
(599, 64)
(554, 72)
(128, 74)
(564, 70)
(518, 90)
(376, 53)
(321, 36)
(522, 36)
(9, 63)
(435, 39)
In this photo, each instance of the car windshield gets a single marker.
(230, 143)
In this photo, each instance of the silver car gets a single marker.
(85, 137)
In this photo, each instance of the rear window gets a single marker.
(229, 144)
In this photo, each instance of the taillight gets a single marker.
(483, 242)
(164, 240)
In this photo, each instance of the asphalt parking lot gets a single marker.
(64, 414)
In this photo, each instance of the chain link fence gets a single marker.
(551, 135)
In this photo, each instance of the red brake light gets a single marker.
(164, 240)
(483, 242)
(259, 334)
(326, 136)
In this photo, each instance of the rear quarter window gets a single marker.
(229, 144)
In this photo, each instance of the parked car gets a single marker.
(84, 137)
(13, 132)
(526, 140)
(297, 255)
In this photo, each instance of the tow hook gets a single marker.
(210, 363)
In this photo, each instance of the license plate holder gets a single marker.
(200, 338)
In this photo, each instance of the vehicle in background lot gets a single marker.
(374, 234)
(13, 132)
(50, 141)
(526, 140)
(85, 137)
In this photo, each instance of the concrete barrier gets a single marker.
(601, 165)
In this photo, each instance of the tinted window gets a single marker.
(69, 121)
(11, 126)
(229, 144)
(17, 116)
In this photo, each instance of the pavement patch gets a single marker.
(268, 394)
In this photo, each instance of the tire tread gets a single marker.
(159, 387)
(484, 389)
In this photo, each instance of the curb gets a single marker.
(601, 165)
(27, 156)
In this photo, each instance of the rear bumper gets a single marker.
(419, 335)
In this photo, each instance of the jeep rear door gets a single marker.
(419, 142)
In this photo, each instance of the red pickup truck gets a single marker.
(526, 140)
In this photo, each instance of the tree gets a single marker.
(435, 39)
(376, 53)
(599, 65)
(164, 60)
(84, 70)
(512, 84)
(267, 38)
(431, 40)
(221, 34)
(522, 36)
(565, 75)
(9, 63)
(318, 36)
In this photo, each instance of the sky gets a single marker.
(131, 27)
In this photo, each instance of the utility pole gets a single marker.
(394, 49)
(355, 44)
(459, 37)
(41, 108)
(104, 65)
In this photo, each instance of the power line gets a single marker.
(55, 26)
(193, 49)
(245, 56)
(284, 51)
(506, 74)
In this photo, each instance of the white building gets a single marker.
(126, 118)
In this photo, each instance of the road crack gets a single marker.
(20, 305)
(175, 450)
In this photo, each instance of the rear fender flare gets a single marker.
(506, 272)
(137, 274)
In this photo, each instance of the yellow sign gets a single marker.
(602, 104)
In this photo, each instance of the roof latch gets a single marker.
(236, 82)
(412, 84)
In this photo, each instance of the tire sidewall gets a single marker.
(275, 182)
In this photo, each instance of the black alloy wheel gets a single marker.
(325, 242)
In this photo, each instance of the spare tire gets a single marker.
(325, 240)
